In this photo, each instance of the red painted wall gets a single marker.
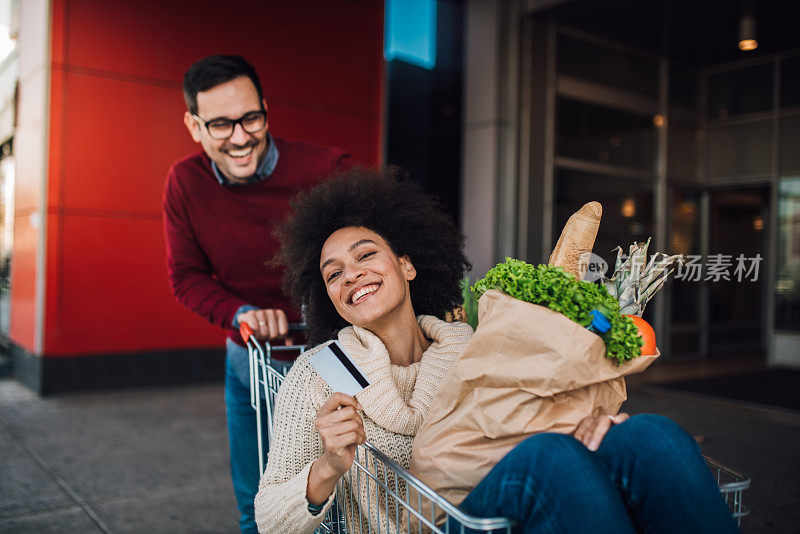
(116, 111)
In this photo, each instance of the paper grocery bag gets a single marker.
(526, 370)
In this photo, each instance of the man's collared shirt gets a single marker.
(264, 170)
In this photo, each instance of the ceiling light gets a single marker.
(747, 33)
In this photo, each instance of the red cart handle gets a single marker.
(245, 331)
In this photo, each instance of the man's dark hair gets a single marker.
(387, 202)
(212, 71)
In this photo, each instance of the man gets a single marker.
(220, 206)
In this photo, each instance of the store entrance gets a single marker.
(736, 272)
(690, 141)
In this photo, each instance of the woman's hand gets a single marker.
(341, 428)
(592, 429)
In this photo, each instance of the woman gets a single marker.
(377, 264)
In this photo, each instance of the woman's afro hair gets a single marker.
(387, 202)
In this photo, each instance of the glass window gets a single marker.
(790, 144)
(604, 135)
(608, 67)
(685, 219)
(627, 208)
(684, 238)
(787, 286)
(683, 144)
(737, 229)
(790, 82)
(741, 150)
(740, 91)
(682, 152)
(684, 85)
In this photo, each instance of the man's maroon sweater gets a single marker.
(220, 237)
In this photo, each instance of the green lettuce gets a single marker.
(554, 288)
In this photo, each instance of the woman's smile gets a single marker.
(363, 293)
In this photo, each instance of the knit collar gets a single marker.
(382, 400)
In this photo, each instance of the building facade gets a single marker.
(653, 110)
(98, 123)
(521, 111)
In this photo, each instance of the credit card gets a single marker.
(339, 370)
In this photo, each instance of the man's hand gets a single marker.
(268, 324)
(592, 429)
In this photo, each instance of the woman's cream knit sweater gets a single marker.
(395, 404)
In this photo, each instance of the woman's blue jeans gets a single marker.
(647, 476)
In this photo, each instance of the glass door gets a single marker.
(735, 271)
(606, 137)
(686, 304)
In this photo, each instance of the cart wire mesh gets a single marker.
(397, 501)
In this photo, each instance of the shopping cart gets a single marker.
(407, 501)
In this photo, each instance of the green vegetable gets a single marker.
(558, 290)
(470, 304)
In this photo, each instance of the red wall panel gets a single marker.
(118, 141)
(363, 134)
(23, 282)
(312, 51)
(116, 126)
(114, 295)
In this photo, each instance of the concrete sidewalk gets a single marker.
(155, 460)
(146, 460)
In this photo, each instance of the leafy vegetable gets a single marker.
(470, 305)
(558, 290)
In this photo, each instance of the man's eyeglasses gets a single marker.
(252, 122)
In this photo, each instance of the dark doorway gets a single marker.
(737, 245)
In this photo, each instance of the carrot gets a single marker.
(647, 333)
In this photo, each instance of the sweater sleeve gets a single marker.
(191, 277)
(281, 505)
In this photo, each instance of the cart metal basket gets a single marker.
(412, 506)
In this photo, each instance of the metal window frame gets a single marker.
(537, 214)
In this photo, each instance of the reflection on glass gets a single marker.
(741, 150)
(736, 307)
(684, 84)
(787, 286)
(627, 208)
(790, 144)
(682, 152)
(604, 135)
(684, 135)
(685, 239)
(740, 92)
(790, 82)
(607, 67)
